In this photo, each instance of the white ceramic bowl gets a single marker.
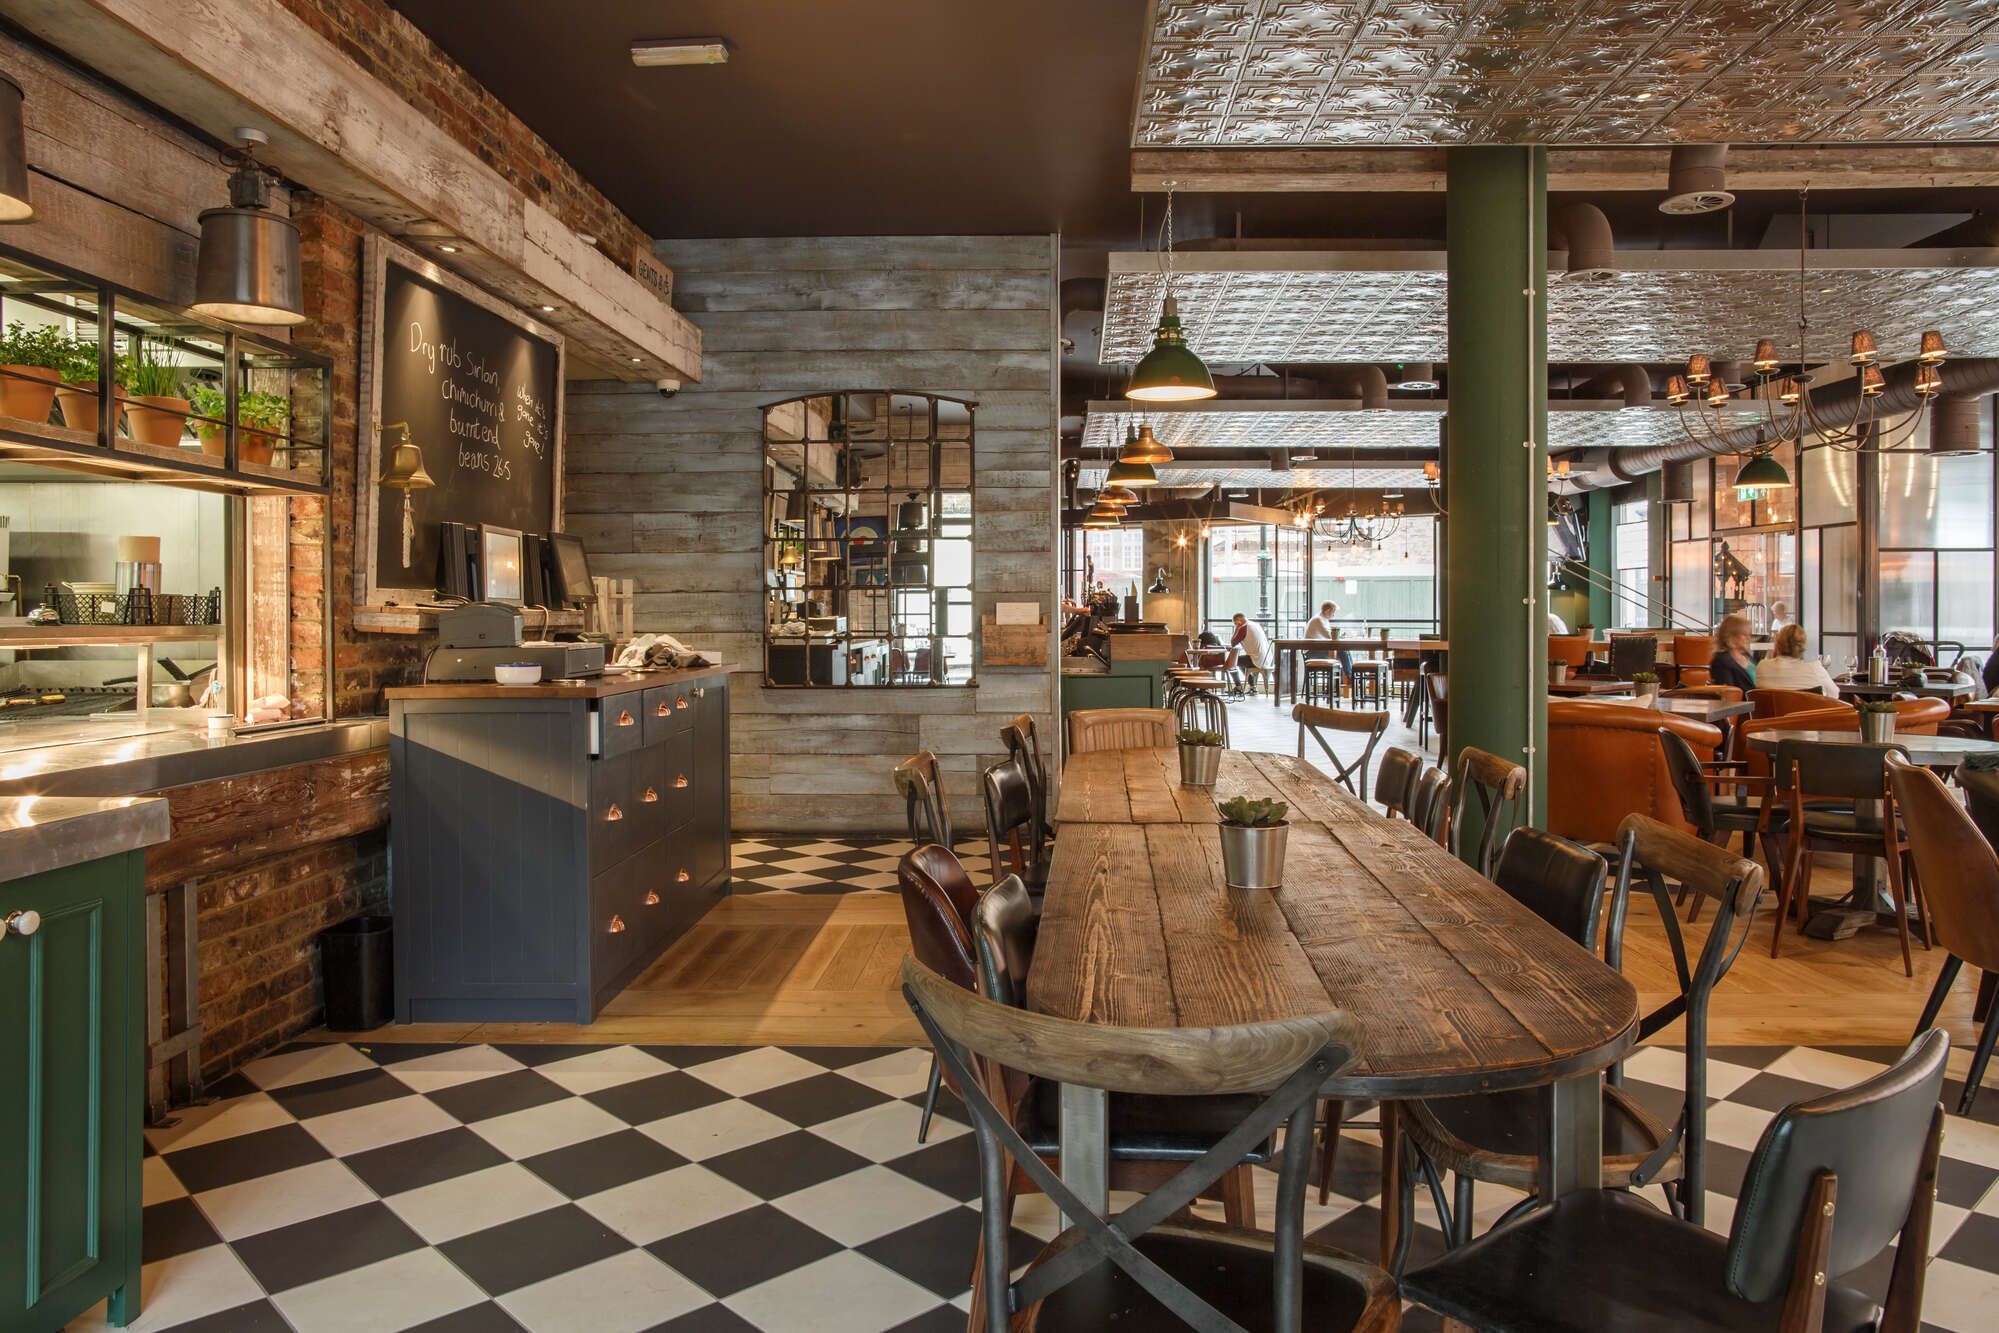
(517, 673)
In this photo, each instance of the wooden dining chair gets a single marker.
(1013, 835)
(1500, 786)
(1395, 781)
(937, 903)
(921, 782)
(1960, 874)
(1831, 1183)
(1823, 784)
(1631, 654)
(1436, 688)
(1430, 805)
(1142, 1267)
(1203, 712)
(1318, 721)
(1023, 743)
(1746, 810)
(1119, 729)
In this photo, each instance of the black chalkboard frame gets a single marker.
(374, 504)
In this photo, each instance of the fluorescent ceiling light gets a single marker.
(680, 51)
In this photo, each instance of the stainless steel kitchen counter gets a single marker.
(43, 833)
(125, 765)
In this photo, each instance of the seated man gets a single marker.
(1249, 650)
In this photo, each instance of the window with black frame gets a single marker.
(868, 540)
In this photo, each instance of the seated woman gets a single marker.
(1732, 664)
(1787, 667)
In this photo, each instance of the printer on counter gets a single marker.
(475, 638)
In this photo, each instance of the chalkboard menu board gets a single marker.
(480, 385)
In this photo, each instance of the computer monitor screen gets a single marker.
(499, 564)
(572, 570)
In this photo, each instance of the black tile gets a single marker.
(1662, 1102)
(815, 1100)
(1749, 1057)
(426, 1160)
(484, 1317)
(783, 1165)
(343, 1092)
(256, 1317)
(336, 1243)
(645, 1100)
(950, 1167)
(840, 1057)
(1726, 1166)
(936, 1253)
(502, 1094)
(743, 1249)
(1975, 1243)
(686, 1057)
(594, 1165)
(232, 1085)
(1963, 1184)
(532, 1053)
(1984, 1107)
(1358, 1231)
(1774, 1092)
(389, 1053)
(529, 1249)
(208, 1166)
(712, 1319)
(175, 1227)
(943, 1319)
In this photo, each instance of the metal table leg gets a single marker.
(1864, 905)
(1085, 1131)
(1572, 1116)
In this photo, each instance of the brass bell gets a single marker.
(405, 471)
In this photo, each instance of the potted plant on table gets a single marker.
(1645, 684)
(1558, 670)
(1200, 756)
(31, 363)
(1253, 837)
(151, 373)
(1877, 720)
(260, 418)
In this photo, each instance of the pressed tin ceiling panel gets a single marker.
(1661, 305)
(1320, 478)
(1310, 73)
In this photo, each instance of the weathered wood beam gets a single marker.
(1583, 170)
(339, 131)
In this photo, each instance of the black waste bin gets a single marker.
(358, 970)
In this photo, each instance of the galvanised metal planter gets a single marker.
(1253, 858)
(1199, 764)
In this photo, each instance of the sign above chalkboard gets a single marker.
(479, 385)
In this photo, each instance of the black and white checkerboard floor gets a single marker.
(828, 865)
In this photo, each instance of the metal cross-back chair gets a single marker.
(1141, 1262)
(1430, 805)
(1318, 721)
(1203, 712)
(921, 782)
(1500, 786)
(1395, 781)
(1023, 743)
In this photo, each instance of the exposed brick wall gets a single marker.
(395, 51)
(363, 664)
(260, 983)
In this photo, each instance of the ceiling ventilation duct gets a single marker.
(1583, 231)
(1631, 385)
(1414, 376)
(1697, 179)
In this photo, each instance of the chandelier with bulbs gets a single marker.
(1702, 394)
(1354, 527)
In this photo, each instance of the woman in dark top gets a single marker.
(1732, 664)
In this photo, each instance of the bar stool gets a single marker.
(1369, 682)
(1201, 711)
(1323, 680)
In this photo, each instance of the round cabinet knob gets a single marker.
(701, 691)
(21, 923)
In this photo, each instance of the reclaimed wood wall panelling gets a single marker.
(668, 492)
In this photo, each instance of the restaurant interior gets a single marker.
(1220, 664)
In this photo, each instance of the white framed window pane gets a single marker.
(1691, 596)
(1964, 599)
(1941, 500)
(1839, 568)
(1700, 514)
(1908, 592)
(1808, 584)
(1827, 480)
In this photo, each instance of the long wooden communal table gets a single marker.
(1457, 988)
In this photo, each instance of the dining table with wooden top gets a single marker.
(1457, 988)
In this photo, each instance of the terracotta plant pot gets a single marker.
(29, 398)
(79, 407)
(158, 421)
(252, 446)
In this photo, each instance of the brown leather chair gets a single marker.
(1728, 694)
(1119, 729)
(1605, 762)
(1960, 878)
(1436, 688)
(1779, 703)
(937, 904)
(921, 782)
(1570, 648)
(1691, 655)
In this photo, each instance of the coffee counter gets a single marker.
(549, 841)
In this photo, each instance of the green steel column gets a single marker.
(1602, 557)
(1496, 484)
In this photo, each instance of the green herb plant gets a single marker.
(152, 368)
(47, 346)
(1644, 678)
(255, 410)
(1195, 736)
(1242, 812)
(1876, 706)
(80, 366)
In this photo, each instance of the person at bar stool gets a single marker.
(1249, 650)
(1787, 667)
(1321, 626)
(1732, 664)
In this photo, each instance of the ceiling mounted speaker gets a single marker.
(1676, 484)
(14, 205)
(1697, 179)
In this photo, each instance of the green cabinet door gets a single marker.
(71, 1111)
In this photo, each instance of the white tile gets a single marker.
(790, 879)
(402, 1292)
(755, 1070)
(1945, 1219)
(603, 1069)
(1828, 1069)
(448, 1069)
(1971, 1141)
(713, 1130)
(219, 1120)
(1660, 1066)
(157, 1182)
(547, 1127)
(643, 1211)
(1737, 1125)
(883, 1133)
(842, 1293)
(1724, 1078)
(359, 1128)
(183, 1288)
(1959, 1298)
(862, 1205)
(871, 881)
(897, 1074)
(306, 1065)
(822, 848)
(465, 1204)
(622, 1294)
(278, 1200)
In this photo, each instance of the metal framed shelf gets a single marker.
(103, 636)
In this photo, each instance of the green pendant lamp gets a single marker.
(1137, 476)
(1170, 372)
(1762, 472)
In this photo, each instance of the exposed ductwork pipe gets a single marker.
(1980, 231)
(1583, 231)
(1083, 294)
(1631, 383)
(1697, 179)
(1595, 469)
(1364, 381)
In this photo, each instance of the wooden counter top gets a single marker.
(593, 687)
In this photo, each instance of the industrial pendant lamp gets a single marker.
(1121, 496)
(14, 205)
(247, 269)
(1142, 446)
(1135, 475)
(1760, 473)
(1170, 372)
